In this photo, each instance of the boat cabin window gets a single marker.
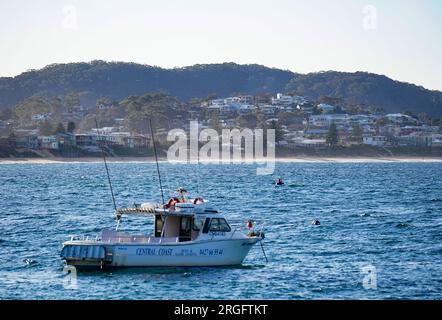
(219, 225)
(158, 225)
(206, 225)
(197, 224)
(185, 232)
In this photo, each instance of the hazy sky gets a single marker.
(401, 39)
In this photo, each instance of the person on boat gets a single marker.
(182, 193)
(198, 200)
(279, 182)
(172, 202)
(250, 223)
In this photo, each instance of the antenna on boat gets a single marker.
(156, 160)
(107, 172)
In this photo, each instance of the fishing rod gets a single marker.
(107, 172)
(263, 251)
(156, 160)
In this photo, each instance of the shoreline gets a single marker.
(300, 159)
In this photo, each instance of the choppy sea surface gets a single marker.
(382, 218)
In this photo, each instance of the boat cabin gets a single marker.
(179, 223)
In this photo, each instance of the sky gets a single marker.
(399, 38)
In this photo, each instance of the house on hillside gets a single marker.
(48, 142)
(27, 141)
(326, 108)
(325, 120)
(378, 141)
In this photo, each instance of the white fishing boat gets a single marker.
(189, 233)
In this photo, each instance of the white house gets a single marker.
(282, 99)
(268, 109)
(217, 102)
(247, 99)
(42, 117)
(400, 118)
(326, 108)
(246, 108)
(436, 140)
(48, 142)
(232, 100)
(325, 120)
(375, 140)
(229, 107)
(309, 143)
(104, 130)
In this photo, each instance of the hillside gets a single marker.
(117, 80)
(368, 89)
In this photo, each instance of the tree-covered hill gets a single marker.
(368, 89)
(118, 80)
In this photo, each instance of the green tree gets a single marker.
(288, 118)
(214, 122)
(71, 100)
(356, 133)
(249, 120)
(279, 134)
(330, 100)
(59, 128)
(424, 118)
(45, 128)
(71, 127)
(6, 114)
(316, 110)
(332, 135)
(33, 106)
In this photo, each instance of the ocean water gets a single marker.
(382, 217)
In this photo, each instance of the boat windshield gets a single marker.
(219, 225)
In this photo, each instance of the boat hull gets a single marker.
(181, 254)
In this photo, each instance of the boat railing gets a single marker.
(84, 238)
(142, 239)
(236, 231)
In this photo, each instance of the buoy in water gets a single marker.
(316, 222)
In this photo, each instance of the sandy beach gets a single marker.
(281, 159)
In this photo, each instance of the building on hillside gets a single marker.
(246, 99)
(103, 106)
(66, 139)
(104, 130)
(315, 133)
(414, 140)
(246, 109)
(326, 108)
(268, 109)
(48, 142)
(286, 100)
(136, 141)
(436, 140)
(378, 141)
(85, 139)
(400, 118)
(309, 143)
(325, 120)
(26, 141)
(41, 117)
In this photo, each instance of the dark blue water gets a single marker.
(384, 215)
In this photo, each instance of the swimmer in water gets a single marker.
(316, 222)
